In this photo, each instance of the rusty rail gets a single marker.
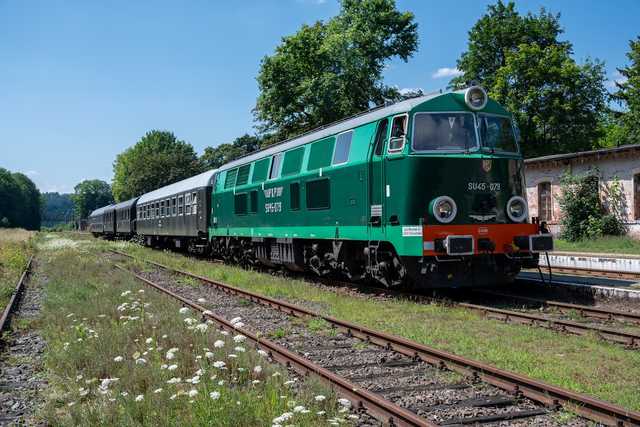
(583, 310)
(546, 394)
(375, 405)
(4, 320)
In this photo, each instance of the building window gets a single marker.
(636, 196)
(545, 207)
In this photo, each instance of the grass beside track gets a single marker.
(607, 244)
(15, 250)
(121, 354)
(583, 364)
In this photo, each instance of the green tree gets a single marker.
(158, 159)
(89, 195)
(628, 93)
(29, 205)
(57, 209)
(214, 157)
(10, 199)
(333, 69)
(519, 59)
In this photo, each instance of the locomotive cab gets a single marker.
(455, 165)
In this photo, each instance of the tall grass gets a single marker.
(15, 250)
(122, 354)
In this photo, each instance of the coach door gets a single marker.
(377, 182)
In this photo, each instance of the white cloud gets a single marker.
(410, 90)
(616, 78)
(312, 1)
(446, 72)
(32, 173)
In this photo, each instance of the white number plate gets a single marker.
(483, 186)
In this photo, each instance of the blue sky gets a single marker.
(81, 81)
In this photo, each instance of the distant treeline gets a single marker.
(57, 209)
(19, 201)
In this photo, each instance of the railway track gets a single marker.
(5, 319)
(368, 367)
(589, 272)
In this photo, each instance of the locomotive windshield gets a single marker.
(444, 132)
(496, 133)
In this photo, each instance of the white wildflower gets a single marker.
(321, 413)
(221, 382)
(219, 364)
(193, 392)
(239, 349)
(139, 398)
(238, 325)
(257, 369)
(158, 390)
(233, 356)
(141, 361)
(124, 394)
(215, 395)
(165, 336)
(209, 355)
(174, 380)
(172, 367)
(345, 402)
(201, 300)
(202, 327)
(263, 353)
(239, 338)
(225, 333)
(71, 404)
(125, 293)
(149, 340)
(190, 321)
(170, 355)
(184, 310)
(320, 398)
(173, 396)
(218, 344)
(208, 313)
(254, 382)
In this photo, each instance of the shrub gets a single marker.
(584, 215)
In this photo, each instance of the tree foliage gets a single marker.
(333, 69)
(158, 159)
(583, 214)
(628, 94)
(56, 209)
(19, 201)
(214, 157)
(90, 195)
(519, 59)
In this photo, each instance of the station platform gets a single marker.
(597, 286)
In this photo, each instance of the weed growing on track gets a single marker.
(583, 364)
(15, 250)
(121, 354)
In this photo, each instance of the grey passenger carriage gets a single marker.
(177, 214)
(126, 217)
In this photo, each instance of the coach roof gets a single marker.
(126, 204)
(100, 211)
(198, 181)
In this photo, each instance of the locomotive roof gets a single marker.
(126, 204)
(198, 181)
(99, 211)
(332, 129)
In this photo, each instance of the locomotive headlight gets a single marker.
(444, 209)
(517, 209)
(475, 97)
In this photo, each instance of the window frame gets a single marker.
(280, 156)
(473, 149)
(404, 138)
(291, 208)
(180, 205)
(307, 192)
(174, 206)
(550, 202)
(384, 138)
(194, 203)
(335, 148)
(246, 203)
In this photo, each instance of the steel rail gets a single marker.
(583, 310)
(541, 392)
(374, 404)
(581, 271)
(4, 320)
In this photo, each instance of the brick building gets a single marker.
(543, 181)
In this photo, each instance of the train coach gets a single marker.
(428, 191)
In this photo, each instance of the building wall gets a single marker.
(624, 167)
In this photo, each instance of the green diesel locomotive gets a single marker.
(429, 191)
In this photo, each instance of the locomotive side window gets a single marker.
(496, 133)
(343, 145)
(243, 174)
(381, 136)
(444, 132)
(275, 166)
(230, 179)
(294, 196)
(253, 201)
(398, 134)
(318, 194)
(240, 204)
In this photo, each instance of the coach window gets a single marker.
(179, 205)
(398, 134)
(157, 209)
(545, 210)
(167, 204)
(343, 145)
(194, 203)
(275, 166)
(174, 209)
(187, 204)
